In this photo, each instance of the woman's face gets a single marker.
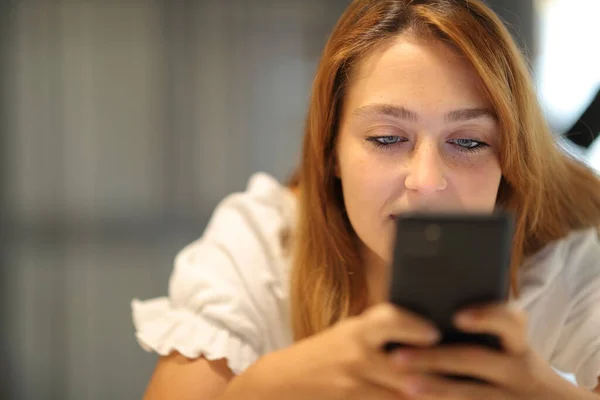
(416, 132)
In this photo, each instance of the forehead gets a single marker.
(422, 74)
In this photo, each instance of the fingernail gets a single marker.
(466, 317)
(433, 335)
(403, 357)
(411, 386)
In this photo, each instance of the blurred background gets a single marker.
(123, 123)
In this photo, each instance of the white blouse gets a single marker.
(229, 290)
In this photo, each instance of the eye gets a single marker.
(384, 141)
(468, 144)
(388, 139)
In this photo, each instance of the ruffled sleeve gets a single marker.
(228, 292)
(578, 347)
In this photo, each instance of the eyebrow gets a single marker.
(399, 112)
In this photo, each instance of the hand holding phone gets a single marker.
(446, 262)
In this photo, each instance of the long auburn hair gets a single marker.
(550, 193)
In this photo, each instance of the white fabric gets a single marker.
(593, 155)
(228, 293)
(561, 294)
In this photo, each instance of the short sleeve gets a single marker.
(228, 290)
(578, 346)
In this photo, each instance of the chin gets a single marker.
(384, 252)
(380, 249)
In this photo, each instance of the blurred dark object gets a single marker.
(521, 19)
(587, 127)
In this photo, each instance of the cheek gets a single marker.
(367, 181)
(477, 185)
(361, 183)
(368, 187)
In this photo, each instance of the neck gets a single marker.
(377, 276)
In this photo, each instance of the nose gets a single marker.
(425, 170)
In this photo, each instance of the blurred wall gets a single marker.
(124, 124)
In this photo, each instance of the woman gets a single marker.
(416, 105)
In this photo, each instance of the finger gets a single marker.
(385, 323)
(473, 361)
(375, 392)
(505, 321)
(381, 371)
(430, 387)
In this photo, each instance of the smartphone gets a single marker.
(445, 262)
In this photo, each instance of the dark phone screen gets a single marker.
(445, 262)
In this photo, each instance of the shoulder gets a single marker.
(578, 257)
(245, 244)
(568, 310)
(560, 289)
(576, 253)
(263, 198)
(551, 280)
(261, 218)
(228, 289)
(262, 191)
(265, 204)
(583, 254)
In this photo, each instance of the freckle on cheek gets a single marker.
(454, 162)
(469, 163)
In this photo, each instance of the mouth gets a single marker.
(422, 210)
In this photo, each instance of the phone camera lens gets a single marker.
(433, 232)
